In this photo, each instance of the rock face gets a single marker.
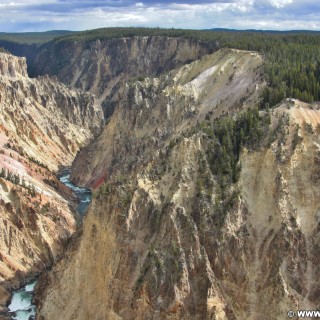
(103, 66)
(12, 67)
(165, 237)
(42, 126)
(27, 109)
(158, 241)
(155, 111)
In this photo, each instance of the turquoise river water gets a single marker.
(21, 307)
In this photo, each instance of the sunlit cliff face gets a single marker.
(42, 126)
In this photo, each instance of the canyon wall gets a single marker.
(166, 236)
(159, 247)
(156, 110)
(43, 124)
(104, 66)
(173, 232)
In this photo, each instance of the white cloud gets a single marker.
(80, 15)
(280, 3)
(11, 4)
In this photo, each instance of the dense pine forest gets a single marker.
(292, 67)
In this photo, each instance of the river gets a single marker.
(21, 307)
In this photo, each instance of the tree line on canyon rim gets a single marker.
(292, 59)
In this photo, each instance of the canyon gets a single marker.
(172, 231)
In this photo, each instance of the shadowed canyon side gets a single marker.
(43, 124)
(103, 66)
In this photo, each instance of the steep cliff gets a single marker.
(173, 232)
(27, 109)
(176, 233)
(42, 126)
(155, 111)
(156, 244)
(103, 66)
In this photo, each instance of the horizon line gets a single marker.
(169, 28)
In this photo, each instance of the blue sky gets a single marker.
(32, 15)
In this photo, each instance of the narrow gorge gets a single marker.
(204, 206)
(21, 306)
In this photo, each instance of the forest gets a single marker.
(228, 136)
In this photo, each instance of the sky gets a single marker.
(43, 15)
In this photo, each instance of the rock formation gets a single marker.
(204, 206)
(155, 111)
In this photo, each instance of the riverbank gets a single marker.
(21, 306)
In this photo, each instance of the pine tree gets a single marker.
(3, 173)
(23, 182)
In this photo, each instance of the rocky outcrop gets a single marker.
(13, 67)
(28, 51)
(43, 124)
(104, 66)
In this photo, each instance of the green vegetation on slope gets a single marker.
(227, 138)
(17, 180)
(223, 140)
